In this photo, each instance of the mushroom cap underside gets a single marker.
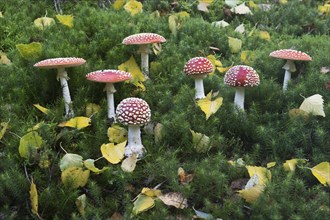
(109, 76)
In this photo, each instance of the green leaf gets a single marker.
(29, 144)
(201, 142)
(142, 204)
(89, 164)
(4, 126)
(235, 44)
(75, 177)
(30, 51)
(81, 204)
(71, 160)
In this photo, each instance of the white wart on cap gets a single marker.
(198, 66)
(241, 76)
(133, 111)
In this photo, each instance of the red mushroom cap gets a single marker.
(60, 62)
(242, 75)
(289, 54)
(133, 111)
(144, 38)
(109, 76)
(198, 66)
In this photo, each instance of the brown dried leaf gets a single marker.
(174, 199)
(183, 177)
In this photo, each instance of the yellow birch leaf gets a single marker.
(4, 126)
(142, 204)
(1, 15)
(117, 134)
(264, 35)
(253, 5)
(113, 153)
(66, 20)
(91, 109)
(270, 164)
(322, 173)
(137, 75)
(251, 194)
(290, 165)
(203, 4)
(4, 59)
(209, 106)
(248, 57)
(324, 9)
(129, 163)
(89, 164)
(216, 63)
(75, 177)
(283, 2)
(42, 109)
(263, 174)
(201, 142)
(134, 7)
(313, 105)
(81, 203)
(118, 4)
(30, 51)
(174, 199)
(34, 198)
(235, 44)
(223, 69)
(151, 192)
(76, 122)
(43, 22)
(29, 144)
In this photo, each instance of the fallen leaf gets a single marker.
(4, 126)
(90, 164)
(209, 106)
(137, 76)
(203, 4)
(81, 203)
(232, 3)
(220, 24)
(91, 109)
(71, 160)
(75, 177)
(313, 105)
(118, 4)
(77, 122)
(324, 9)
(34, 198)
(4, 59)
(29, 144)
(42, 109)
(113, 153)
(117, 134)
(30, 51)
(290, 165)
(241, 9)
(174, 199)
(216, 63)
(263, 174)
(250, 195)
(151, 192)
(1, 15)
(325, 69)
(322, 173)
(248, 57)
(176, 20)
(240, 29)
(270, 164)
(142, 204)
(297, 113)
(43, 22)
(129, 163)
(203, 215)
(264, 35)
(134, 7)
(200, 142)
(183, 177)
(235, 44)
(66, 20)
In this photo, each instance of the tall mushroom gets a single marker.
(60, 64)
(143, 39)
(134, 112)
(289, 55)
(241, 76)
(109, 77)
(198, 68)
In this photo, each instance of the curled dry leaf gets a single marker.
(174, 199)
(81, 204)
(183, 177)
(129, 164)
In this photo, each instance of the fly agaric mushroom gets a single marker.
(289, 55)
(60, 64)
(143, 39)
(109, 77)
(241, 76)
(134, 112)
(198, 68)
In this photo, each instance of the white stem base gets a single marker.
(62, 76)
(144, 50)
(199, 87)
(239, 97)
(110, 89)
(289, 67)
(134, 143)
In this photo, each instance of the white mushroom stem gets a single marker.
(62, 76)
(239, 97)
(199, 87)
(144, 50)
(110, 90)
(289, 67)
(134, 143)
